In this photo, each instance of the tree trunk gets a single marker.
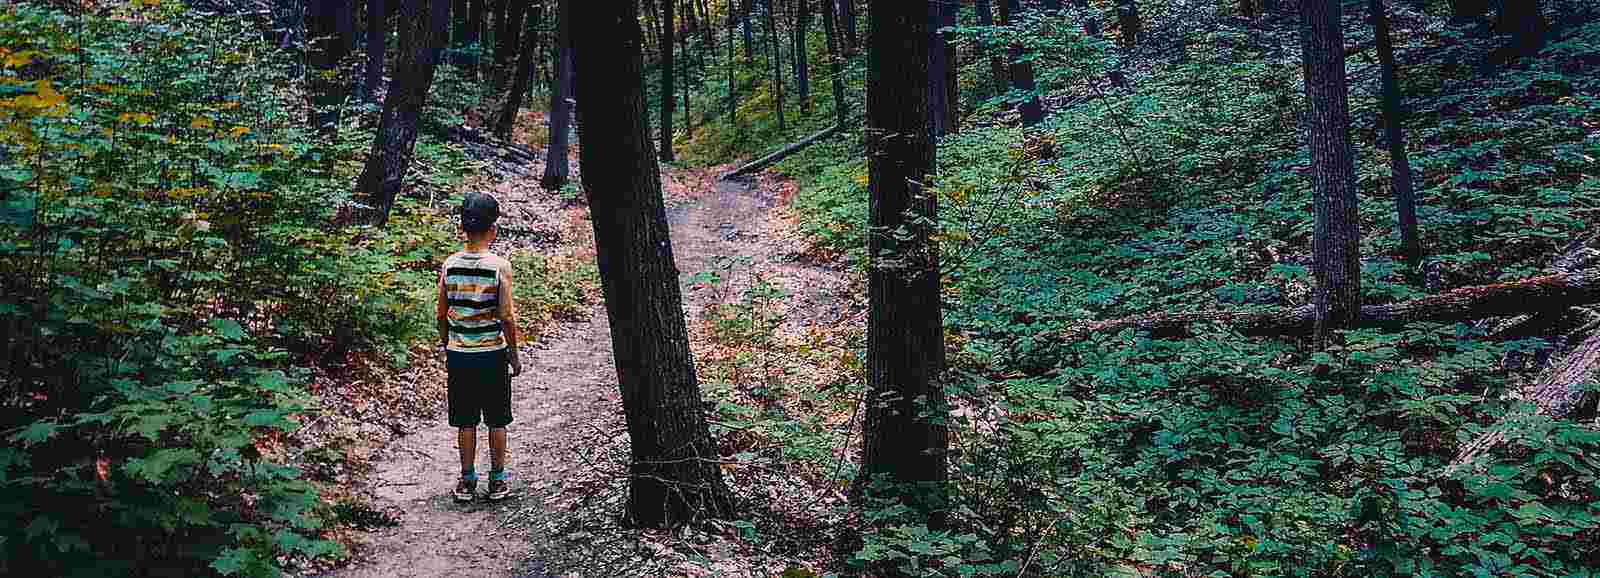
(1131, 25)
(424, 27)
(904, 436)
(848, 7)
(674, 474)
(686, 71)
(1335, 247)
(1463, 10)
(1247, 9)
(777, 62)
(942, 90)
(473, 40)
(997, 64)
(830, 29)
(508, 39)
(555, 157)
(1525, 24)
(1394, 131)
(1546, 294)
(749, 35)
(377, 39)
(802, 65)
(507, 118)
(733, 92)
(668, 30)
(330, 27)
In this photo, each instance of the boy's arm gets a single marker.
(508, 316)
(442, 312)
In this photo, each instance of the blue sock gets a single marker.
(497, 475)
(469, 474)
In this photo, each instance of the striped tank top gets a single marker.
(472, 285)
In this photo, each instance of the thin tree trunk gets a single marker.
(556, 169)
(474, 37)
(997, 63)
(686, 68)
(1030, 109)
(331, 27)
(830, 29)
(1462, 10)
(848, 7)
(668, 29)
(674, 475)
(508, 39)
(1394, 131)
(377, 40)
(904, 436)
(507, 118)
(1130, 24)
(1335, 246)
(749, 35)
(802, 66)
(424, 27)
(653, 30)
(777, 62)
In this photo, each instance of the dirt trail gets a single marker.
(566, 383)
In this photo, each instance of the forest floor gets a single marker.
(568, 443)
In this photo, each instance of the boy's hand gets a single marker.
(516, 363)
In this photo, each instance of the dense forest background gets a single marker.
(1195, 287)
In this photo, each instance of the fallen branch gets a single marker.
(768, 160)
(1555, 395)
(1534, 295)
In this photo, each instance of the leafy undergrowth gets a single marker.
(201, 360)
(1217, 454)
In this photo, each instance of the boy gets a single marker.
(478, 331)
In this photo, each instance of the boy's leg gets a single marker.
(497, 448)
(467, 441)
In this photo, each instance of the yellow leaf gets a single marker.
(238, 131)
(19, 59)
(45, 100)
(200, 122)
(138, 118)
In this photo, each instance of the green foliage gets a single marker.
(171, 269)
(552, 289)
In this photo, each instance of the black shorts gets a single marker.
(480, 387)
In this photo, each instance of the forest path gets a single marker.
(567, 388)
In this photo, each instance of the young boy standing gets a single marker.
(478, 330)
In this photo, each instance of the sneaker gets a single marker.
(498, 489)
(466, 490)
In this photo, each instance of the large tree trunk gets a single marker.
(1335, 246)
(555, 156)
(1525, 24)
(1545, 294)
(1031, 110)
(904, 436)
(830, 29)
(424, 26)
(331, 28)
(1394, 131)
(523, 77)
(668, 30)
(674, 474)
(377, 40)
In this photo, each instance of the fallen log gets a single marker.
(1555, 395)
(1533, 295)
(768, 160)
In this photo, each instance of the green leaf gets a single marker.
(229, 329)
(37, 432)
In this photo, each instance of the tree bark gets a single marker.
(773, 158)
(474, 35)
(424, 26)
(1525, 24)
(942, 89)
(904, 436)
(377, 41)
(830, 29)
(749, 35)
(667, 104)
(556, 169)
(508, 39)
(331, 28)
(802, 65)
(1394, 131)
(1131, 25)
(1335, 246)
(997, 64)
(1554, 395)
(507, 118)
(674, 474)
(1030, 109)
(1549, 293)
(777, 62)
(852, 40)
(733, 91)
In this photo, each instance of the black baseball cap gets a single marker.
(478, 212)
